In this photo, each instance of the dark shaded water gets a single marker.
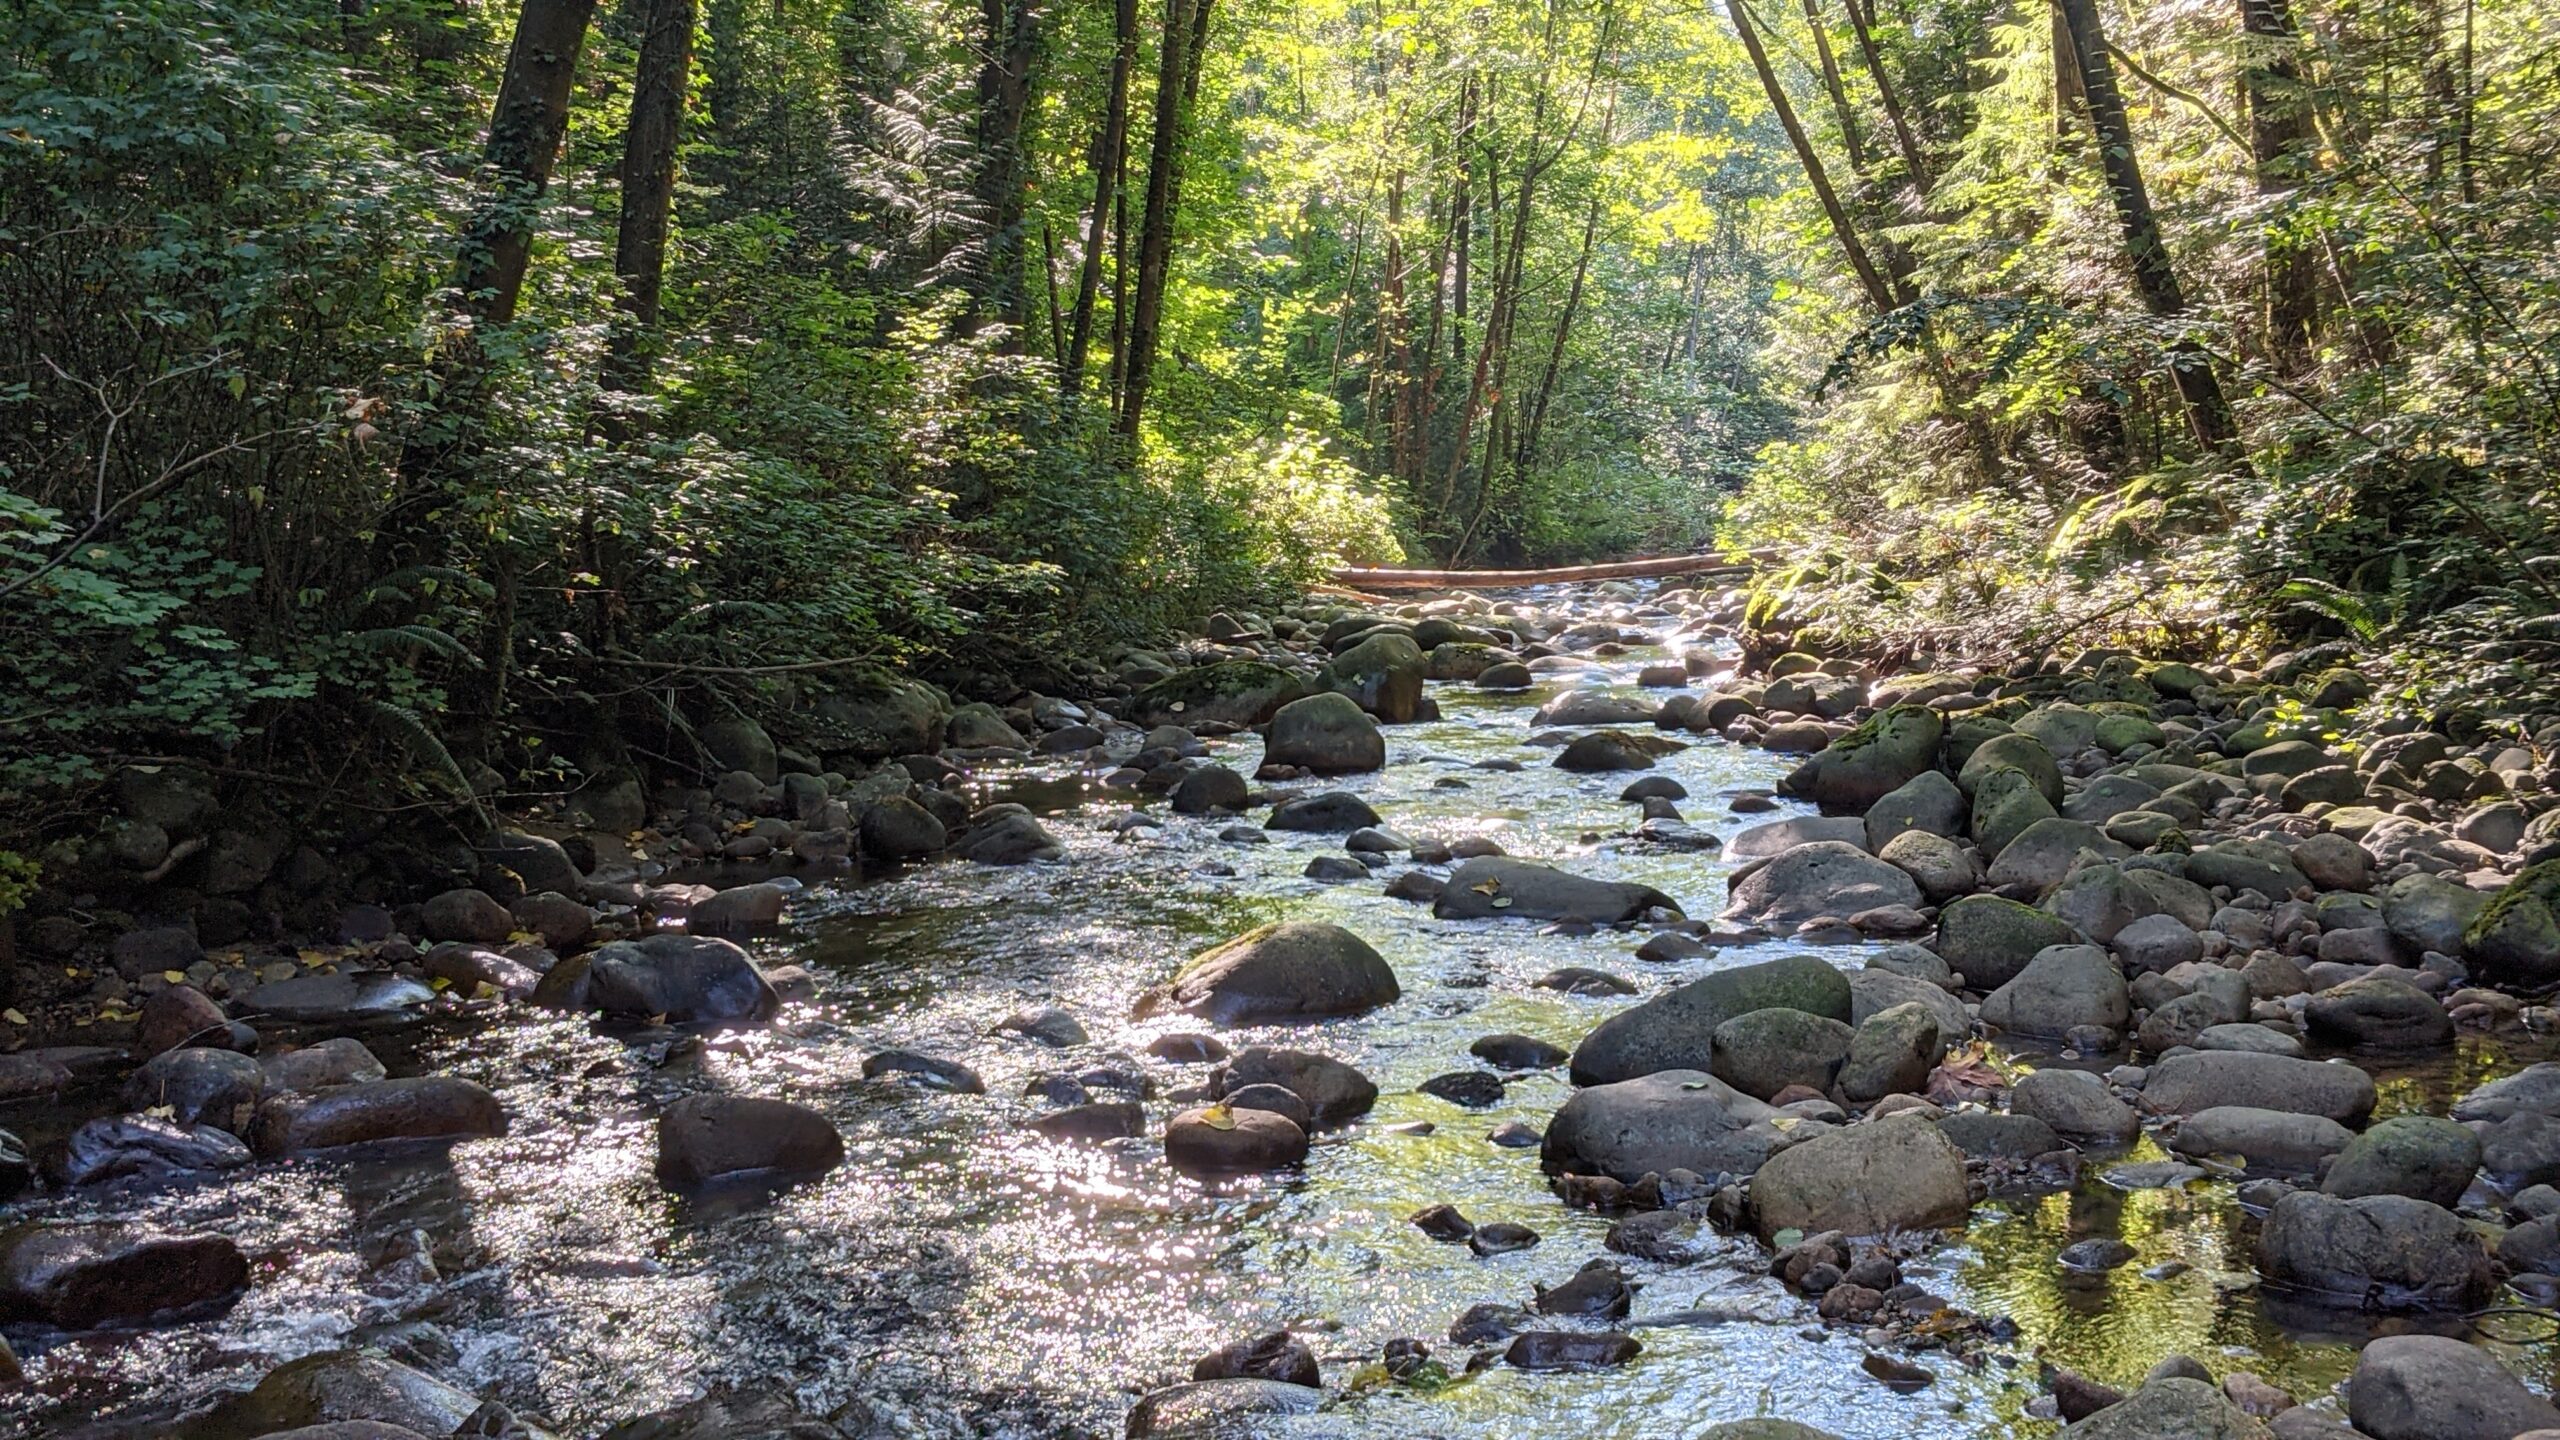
(968, 1277)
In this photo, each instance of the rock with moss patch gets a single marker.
(1231, 692)
(2516, 935)
(1382, 674)
(1885, 753)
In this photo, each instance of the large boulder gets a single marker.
(1929, 801)
(2431, 912)
(2063, 988)
(1672, 1120)
(1281, 973)
(669, 979)
(1495, 885)
(2013, 751)
(1382, 674)
(1825, 878)
(1221, 1140)
(2375, 1252)
(2077, 1104)
(2420, 1156)
(82, 1276)
(1988, 939)
(1888, 751)
(1885, 1175)
(2184, 1084)
(2516, 935)
(1328, 734)
(2533, 1090)
(1676, 1031)
(2431, 1387)
(1231, 692)
(2264, 1139)
(2172, 1407)
(425, 1107)
(875, 714)
(1762, 1052)
(735, 742)
(702, 1138)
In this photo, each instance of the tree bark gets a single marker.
(1108, 150)
(1903, 139)
(2208, 413)
(1177, 80)
(525, 126)
(1879, 294)
(648, 181)
(2279, 139)
(1004, 105)
(1831, 82)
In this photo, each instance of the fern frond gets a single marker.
(413, 732)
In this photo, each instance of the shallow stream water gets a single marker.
(963, 1275)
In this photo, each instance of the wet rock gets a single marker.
(1205, 1408)
(2095, 1256)
(1570, 1350)
(930, 1071)
(2381, 1011)
(1989, 1135)
(1762, 1052)
(2429, 1387)
(177, 1016)
(338, 1386)
(1335, 870)
(471, 915)
(1215, 1141)
(666, 979)
(703, 1138)
(1188, 1049)
(1094, 1122)
(1989, 940)
(1212, 789)
(338, 1061)
(1325, 734)
(199, 1087)
(1472, 1089)
(1443, 1223)
(2265, 1139)
(2184, 1084)
(2060, 989)
(2174, 1407)
(1335, 812)
(1382, 674)
(467, 967)
(1288, 972)
(1009, 839)
(1885, 1175)
(364, 999)
(2077, 1104)
(1665, 1237)
(1497, 886)
(739, 910)
(1278, 1356)
(1598, 1290)
(145, 1148)
(1335, 1093)
(1658, 1123)
(82, 1276)
(2420, 1156)
(1878, 758)
(2380, 1252)
(1604, 751)
(1583, 980)
(1825, 878)
(898, 828)
(1502, 1237)
(1764, 1429)
(1518, 1052)
(1676, 1030)
(723, 1414)
(1045, 1024)
(427, 1107)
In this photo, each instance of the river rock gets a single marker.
(2430, 1387)
(910, 1067)
(342, 1060)
(427, 1107)
(2265, 1139)
(2381, 1011)
(2380, 1252)
(738, 910)
(2420, 1156)
(898, 828)
(1764, 1429)
(1939, 866)
(144, 1148)
(1495, 885)
(1658, 1123)
(1213, 789)
(672, 979)
(199, 1087)
(2172, 1408)
(1577, 708)
(176, 1016)
(1335, 812)
(1278, 1356)
(2184, 1084)
(1758, 842)
(1335, 1093)
(2516, 936)
(1990, 1135)
(82, 1276)
(1892, 1051)
(1214, 1141)
(2077, 1104)
(337, 1386)
(2157, 943)
(1883, 754)
(2061, 989)
(1929, 802)
(2431, 912)
(2023, 753)
(726, 1413)
(1676, 1031)
(1825, 878)
(1287, 972)
(2534, 1090)
(2260, 865)
(1518, 1052)
(1989, 940)
(2043, 854)
(2004, 805)
(1382, 674)
(1570, 1350)
(1326, 734)
(1885, 1175)
(1008, 839)
(1761, 1052)
(702, 1138)
(1873, 991)
(471, 915)
(363, 999)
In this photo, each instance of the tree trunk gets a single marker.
(1903, 139)
(648, 181)
(2208, 413)
(1004, 107)
(525, 126)
(1108, 151)
(2279, 141)
(1177, 79)
(1831, 82)
(1879, 294)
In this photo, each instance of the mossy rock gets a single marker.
(1880, 756)
(876, 714)
(1234, 692)
(1383, 674)
(2118, 733)
(2516, 936)
(2013, 752)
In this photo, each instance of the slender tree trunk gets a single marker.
(1873, 54)
(2208, 413)
(1831, 82)
(1109, 150)
(648, 181)
(1535, 422)
(1003, 162)
(1879, 294)
(525, 126)
(2279, 142)
(1177, 80)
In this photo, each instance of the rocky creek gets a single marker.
(964, 1268)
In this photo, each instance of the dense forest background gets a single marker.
(457, 383)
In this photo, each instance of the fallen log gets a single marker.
(1373, 578)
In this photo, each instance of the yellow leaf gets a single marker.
(162, 1112)
(523, 937)
(1487, 888)
(438, 982)
(174, 977)
(1218, 1117)
(315, 957)
(13, 1017)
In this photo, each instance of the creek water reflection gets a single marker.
(964, 1276)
